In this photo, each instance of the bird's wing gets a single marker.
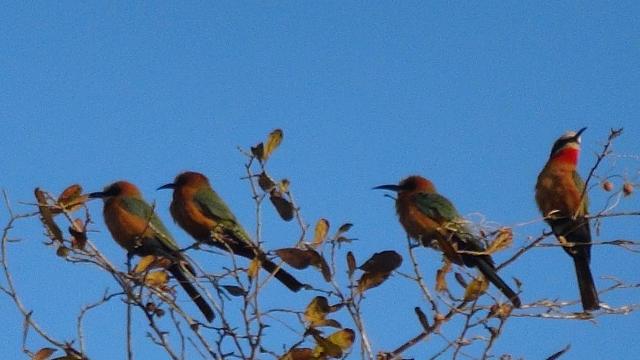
(580, 186)
(437, 207)
(213, 206)
(141, 209)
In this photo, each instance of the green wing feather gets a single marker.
(440, 209)
(215, 208)
(141, 209)
(580, 186)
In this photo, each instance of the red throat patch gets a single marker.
(567, 155)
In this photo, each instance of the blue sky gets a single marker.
(471, 96)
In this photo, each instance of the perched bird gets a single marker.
(563, 202)
(198, 209)
(432, 219)
(136, 228)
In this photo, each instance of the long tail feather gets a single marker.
(588, 292)
(193, 293)
(284, 277)
(490, 273)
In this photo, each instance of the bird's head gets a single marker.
(187, 178)
(118, 188)
(567, 146)
(410, 184)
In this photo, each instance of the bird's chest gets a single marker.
(556, 190)
(126, 230)
(417, 225)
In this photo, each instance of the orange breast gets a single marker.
(189, 216)
(556, 190)
(125, 228)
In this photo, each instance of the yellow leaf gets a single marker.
(157, 278)
(254, 267)
(475, 288)
(144, 264)
(43, 354)
(317, 310)
(503, 240)
(334, 345)
(273, 141)
(320, 233)
(441, 280)
(370, 280)
(284, 185)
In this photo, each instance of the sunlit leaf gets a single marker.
(46, 216)
(503, 240)
(157, 278)
(501, 311)
(273, 141)
(384, 261)
(335, 345)
(43, 354)
(317, 310)
(282, 205)
(71, 198)
(320, 232)
(370, 280)
(351, 263)
(234, 290)
(441, 276)
(254, 267)
(284, 185)
(149, 262)
(475, 288)
(62, 251)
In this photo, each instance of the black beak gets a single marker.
(395, 188)
(167, 186)
(97, 195)
(579, 133)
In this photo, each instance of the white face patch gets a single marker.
(569, 135)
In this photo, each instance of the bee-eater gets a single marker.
(431, 219)
(562, 199)
(134, 226)
(198, 209)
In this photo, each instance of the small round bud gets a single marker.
(627, 189)
(607, 186)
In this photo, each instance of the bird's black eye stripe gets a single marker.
(560, 143)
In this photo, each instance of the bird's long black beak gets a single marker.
(580, 133)
(167, 186)
(393, 187)
(97, 195)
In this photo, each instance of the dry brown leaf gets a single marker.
(265, 182)
(78, 234)
(441, 276)
(258, 151)
(46, 216)
(146, 263)
(351, 263)
(71, 198)
(317, 310)
(343, 229)
(476, 288)
(320, 233)
(319, 262)
(294, 257)
(282, 205)
(298, 354)
(384, 261)
(273, 141)
(43, 354)
(503, 240)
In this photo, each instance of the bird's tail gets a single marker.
(178, 272)
(490, 273)
(284, 277)
(588, 292)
